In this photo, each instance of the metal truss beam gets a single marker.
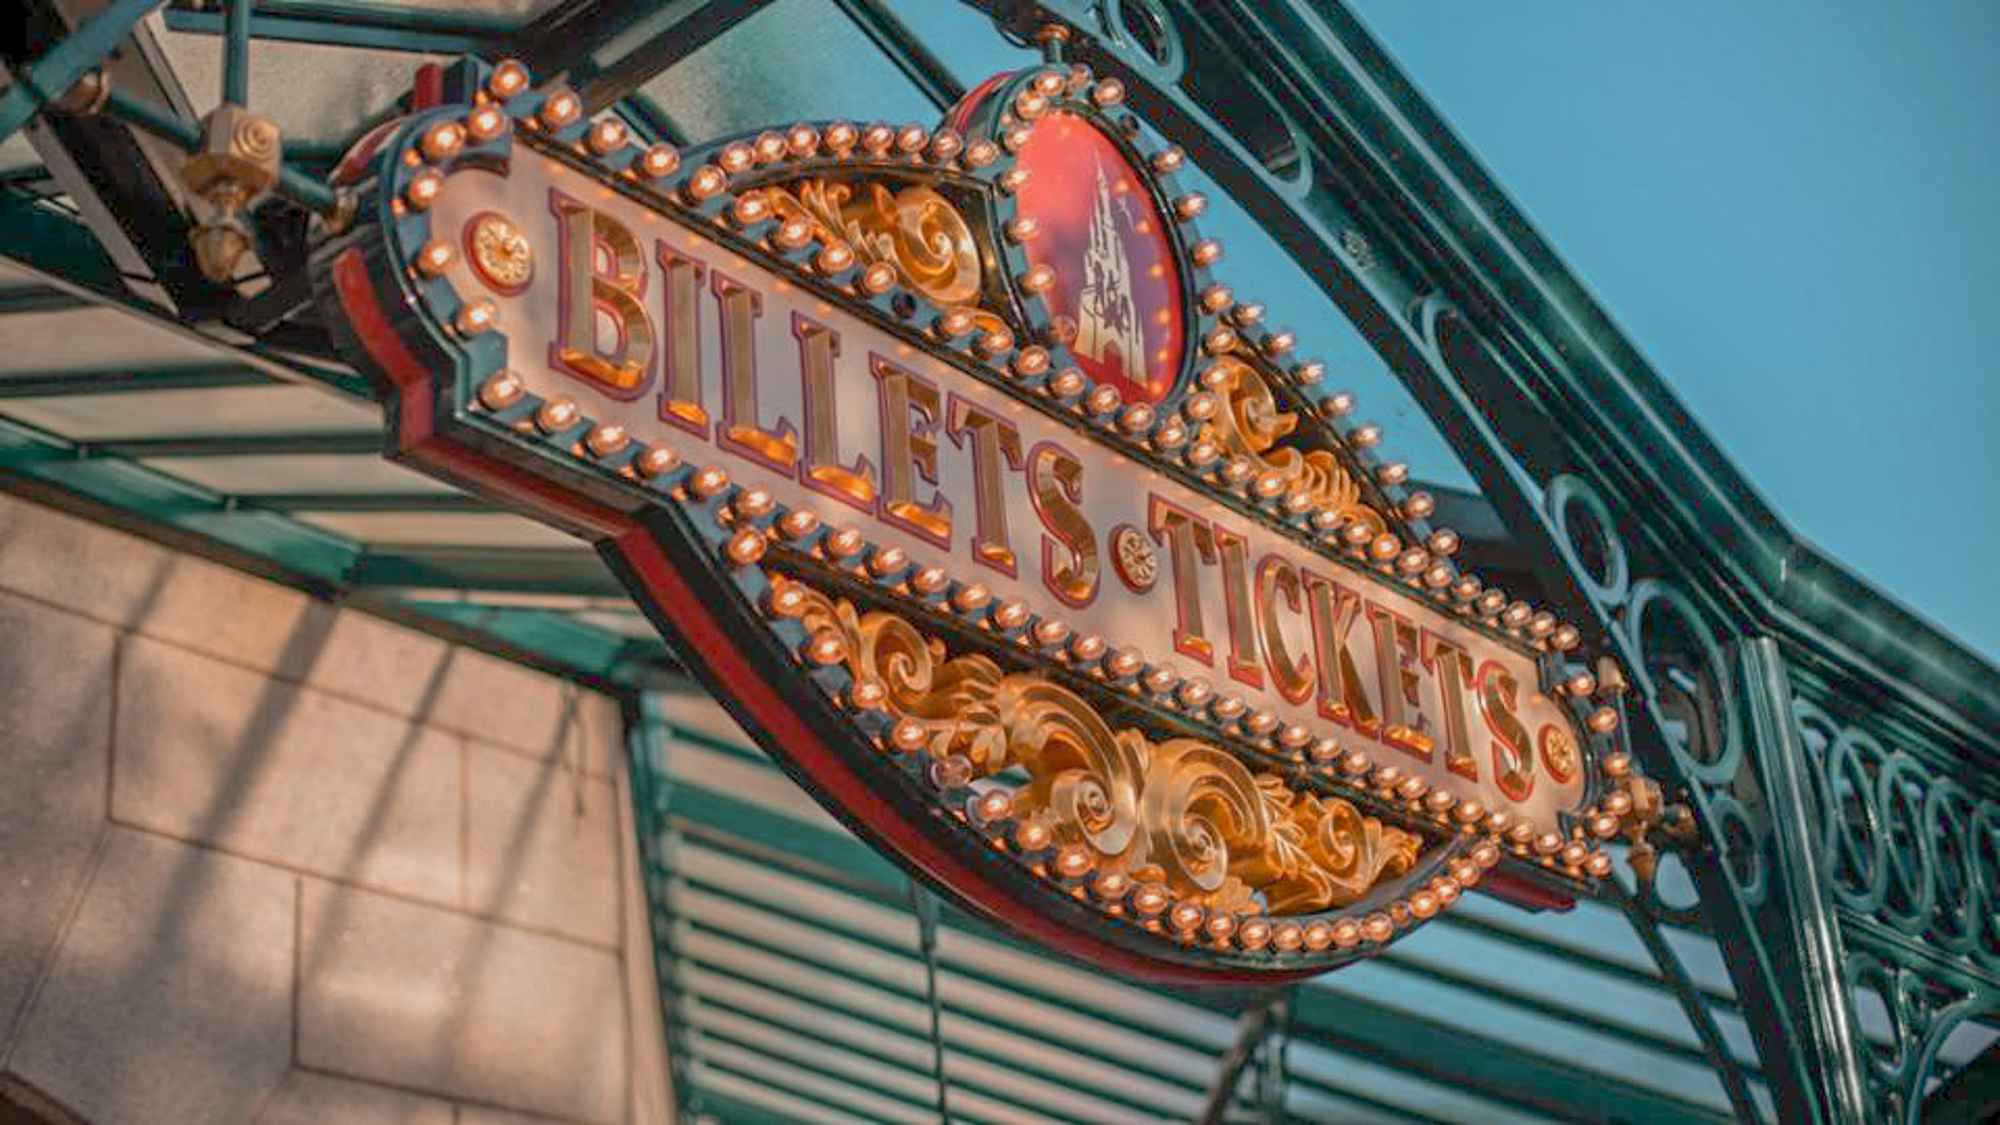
(689, 29)
(1252, 1029)
(229, 445)
(116, 381)
(375, 27)
(62, 256)
(123, 182)
(1489, 1067)
(1802, 938)
(38, 299)
(63, 62)
(363, 502)
(555, 570)
(910, 54)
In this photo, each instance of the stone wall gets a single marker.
(266, 860)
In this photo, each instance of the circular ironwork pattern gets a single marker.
(1604, 583)
(1842, 763)
(1709, 750)
(1922, 1014)
(1902, 843)
(1898, 841)
(1147, 27)
(1884, 823)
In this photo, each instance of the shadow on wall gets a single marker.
(253, 835)
(22, 1104)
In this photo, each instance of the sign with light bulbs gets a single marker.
(947, 460)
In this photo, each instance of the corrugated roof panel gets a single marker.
(17, 155)
(318, 96)
(332, 474)
(803, 930)
(770, 1086)
(274, 409)
(93, 339)
(730, 1037)
(1616, 1055)
(1568, 984)
(458, 529)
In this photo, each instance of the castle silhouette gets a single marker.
(1108, 326)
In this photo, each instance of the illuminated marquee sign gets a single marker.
(944, 459)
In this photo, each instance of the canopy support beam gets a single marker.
(1252, 1028)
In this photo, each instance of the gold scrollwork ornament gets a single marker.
(1251, 425)
(913, 228)
(1182, 812)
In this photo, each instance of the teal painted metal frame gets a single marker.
(52, 75)
(1566, 426)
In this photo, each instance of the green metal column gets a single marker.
(1801, 935)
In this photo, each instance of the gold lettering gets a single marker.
(822, 471)
(680, 397)
(1343, 696)
(1395, 669)
(1513, 761)
(910, 406)
(1243, 666)
(1291, 675)
(1055, 484)
(1186, 537)
(1453, 670)
(995, 441)
(739, 306)
(586, 293)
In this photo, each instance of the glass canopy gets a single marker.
(805, 978)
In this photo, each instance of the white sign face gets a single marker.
(661, 330)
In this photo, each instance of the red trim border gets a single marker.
(419, 439)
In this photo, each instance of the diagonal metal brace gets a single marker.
(1252, 1028)
(51, 76)
(1802, 934)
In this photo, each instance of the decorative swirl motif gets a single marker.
(1913, 850)
(254, 138)
(1251, 425)
(1202, 814)
(1181, 812)
(1922, 1012)
(1909, 853)
(916, 230)
(1086, 777)
(1325, 852)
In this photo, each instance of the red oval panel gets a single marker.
(1116, 277)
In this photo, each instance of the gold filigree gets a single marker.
(500, 251)
(913, 228)
(1181, 811)
(1251, 425)
(1138, 563)
(1326, 852)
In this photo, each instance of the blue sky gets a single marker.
(1793, 208)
